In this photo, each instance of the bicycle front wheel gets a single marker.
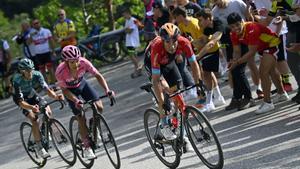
(203, 138)
(62, 142)
(166, 151)
(77, 143)
(30, 145)
(108, 141)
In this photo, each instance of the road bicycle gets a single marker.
(108, 47)
(51, 131)
(184, 120)
(99, 134)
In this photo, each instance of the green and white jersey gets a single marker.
(25, 89)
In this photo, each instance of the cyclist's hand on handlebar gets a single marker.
(111, 95)
(79, 104)
(35, 108)
(59, 97)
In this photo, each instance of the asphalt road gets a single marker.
(268, 141)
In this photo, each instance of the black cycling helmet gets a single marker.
(25, 64)
(169, 31)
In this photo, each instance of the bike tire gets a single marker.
(152, 132)
(77, 142)
(108, 141)
(60, 137)
(111, 49)
(207, 135)
(29, 143)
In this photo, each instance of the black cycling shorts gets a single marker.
(171, 74)
(87, 93)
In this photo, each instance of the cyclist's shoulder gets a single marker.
(62, 67)
(182, 40)
(36, 73)
(16, 78)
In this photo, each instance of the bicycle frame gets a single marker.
(45, 125)
(95, 113)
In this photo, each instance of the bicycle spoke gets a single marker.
(164, 150)
(203, 138)
(62, 142)
(29, 144)
(108, 141)
(77, 143)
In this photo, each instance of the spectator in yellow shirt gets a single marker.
(64, 30)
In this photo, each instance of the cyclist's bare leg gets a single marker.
(49, 111)
(82, 126)
(99, 106)
(35, 126)
(276, 78)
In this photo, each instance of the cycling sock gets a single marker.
(217, 92)
(164, 121)
(258, 87)
(86, 142)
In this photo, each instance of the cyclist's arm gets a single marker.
(195, 70)
(102, 82)
(157, 89)
(69, 95)
(23, 104)
(52, 94)
(19, 99)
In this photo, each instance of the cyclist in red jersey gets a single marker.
(259, 39)
(164, 50)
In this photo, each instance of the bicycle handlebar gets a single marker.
(62, 103)
(112, 99)
(179, 91)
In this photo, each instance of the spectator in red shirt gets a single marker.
(259, 39)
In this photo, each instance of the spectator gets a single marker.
(149, 28)
(293, 41)
(280, 27)
(132, 41)
(241, 87)
(161, 15)
(43, 43)
(191, 7)
(28, 50)
(5, 62)
(64, 30)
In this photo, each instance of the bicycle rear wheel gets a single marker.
(166, 151)
(62, 142)
(108, 141)
(77, 143)
(203, 138)
(29, 144)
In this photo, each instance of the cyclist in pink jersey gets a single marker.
(70, 77)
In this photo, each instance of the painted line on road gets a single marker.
(9, 110)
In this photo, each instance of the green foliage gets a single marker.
(46, 12)
(10, 28)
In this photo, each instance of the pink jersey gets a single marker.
(66, 80)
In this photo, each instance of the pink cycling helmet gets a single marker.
(70, 52)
